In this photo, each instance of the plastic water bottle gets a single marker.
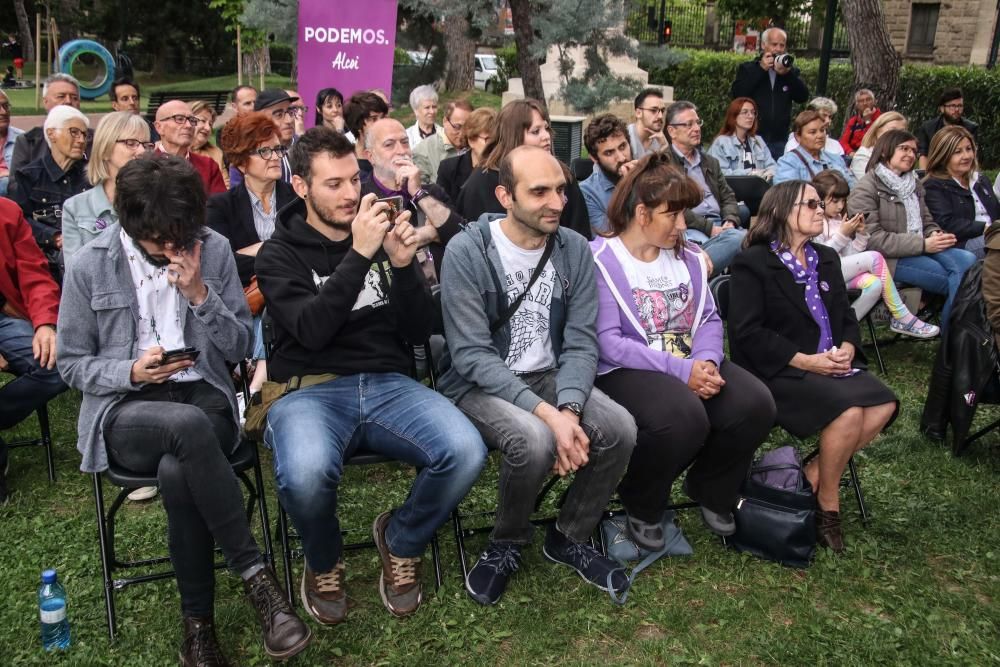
(52, 610)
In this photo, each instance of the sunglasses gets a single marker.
(813, 204)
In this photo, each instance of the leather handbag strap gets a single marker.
(799, 156)
(516, 303)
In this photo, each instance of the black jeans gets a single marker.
(676, 428)
(184, 431)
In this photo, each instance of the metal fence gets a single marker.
(688, 20)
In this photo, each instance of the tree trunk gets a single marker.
(876, 63)
(524, 37)
(461, 54)
(24, 30)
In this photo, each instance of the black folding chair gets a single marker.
(245, 462)
(582, 168)
(43, 440)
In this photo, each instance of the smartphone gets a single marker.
(395, 208)
(180, 354)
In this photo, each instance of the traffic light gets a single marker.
(668, 29)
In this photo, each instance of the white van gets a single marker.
(486, 71)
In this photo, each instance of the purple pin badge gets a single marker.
(100, 223)
(825, 286)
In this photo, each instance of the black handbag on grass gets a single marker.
(776, 511)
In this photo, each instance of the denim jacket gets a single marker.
(84, 217)
(8, 154)
(728, 150)
(40, 188)
(96, 334)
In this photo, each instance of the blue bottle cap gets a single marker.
(48, 576)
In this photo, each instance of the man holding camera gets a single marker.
(773, 82)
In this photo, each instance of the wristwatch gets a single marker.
(573, 407)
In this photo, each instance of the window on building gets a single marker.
(923, 27)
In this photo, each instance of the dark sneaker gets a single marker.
(399, 583)
(324, 595)
(487, 581)
(201, 646)
(284, 632)
(589, 563)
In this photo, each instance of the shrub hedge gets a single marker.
(704, 77)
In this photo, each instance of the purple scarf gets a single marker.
(809, 276)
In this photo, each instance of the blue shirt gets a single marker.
(597, 189)
(8, 153)
(799, 164)
(709, 206)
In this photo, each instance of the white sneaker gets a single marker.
(143, 493)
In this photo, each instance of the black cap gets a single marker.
(270, 97)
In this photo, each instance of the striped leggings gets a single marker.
(868, 272)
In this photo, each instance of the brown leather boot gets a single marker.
(828, 530)
(201, 647)
(284, 632)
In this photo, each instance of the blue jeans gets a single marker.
(33, 385)
(313, 431)
(938, 273)
(721, 248)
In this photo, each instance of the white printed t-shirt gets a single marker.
(530, 344)
(663, 296)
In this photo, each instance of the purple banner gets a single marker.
(345, 45)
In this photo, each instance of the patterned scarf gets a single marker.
(808, 275)
(905, 187)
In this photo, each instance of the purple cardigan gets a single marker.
(620, 336)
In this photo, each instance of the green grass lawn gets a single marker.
(920, 585)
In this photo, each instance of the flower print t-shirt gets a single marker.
(663, 296)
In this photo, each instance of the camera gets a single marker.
(785, 60)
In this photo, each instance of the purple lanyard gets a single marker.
(808, 275)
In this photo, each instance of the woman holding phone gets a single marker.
(863, 269)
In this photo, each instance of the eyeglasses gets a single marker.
(690, 125)
(954, 106)
(813, 204)
(458, 127)
(181, 119)
(907, 149)
(132, 144)
(656, 111)
(267, 152)
(76, 132)
(749, 113)
(294, 112)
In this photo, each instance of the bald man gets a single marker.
(387, 148)
(176, 123)
(522, 370)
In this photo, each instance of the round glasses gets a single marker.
(132, 144)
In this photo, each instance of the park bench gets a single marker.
(217, 98)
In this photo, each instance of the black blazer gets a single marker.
(229, 213)
(768, 319)
(453, 172)
(955, 211)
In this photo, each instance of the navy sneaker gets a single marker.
(487, 581)
(595, 568)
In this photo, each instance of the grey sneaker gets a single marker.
(399, 583)
(324, 595)
(720, 524)
(649, 536)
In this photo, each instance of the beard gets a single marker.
(325, 214)
(613, 176)
(158, 262)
